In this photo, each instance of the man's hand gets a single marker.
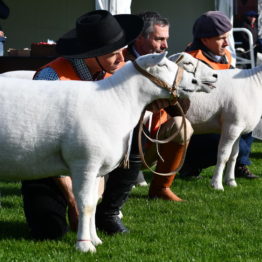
(65, 185)
(73, 216)
(155, 106)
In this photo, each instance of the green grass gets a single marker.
(209, 226)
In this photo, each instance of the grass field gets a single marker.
(209, 226)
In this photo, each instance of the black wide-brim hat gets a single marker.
(98, 33)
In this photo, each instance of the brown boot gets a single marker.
(172, 153)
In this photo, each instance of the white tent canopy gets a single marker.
(115, 6)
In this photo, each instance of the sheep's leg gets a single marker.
(230, 168)
(84, 185)
(217, 178)
(228, 137)
(94, 238)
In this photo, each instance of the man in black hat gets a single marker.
(91, 51)
(210, 41)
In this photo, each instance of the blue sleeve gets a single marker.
(46, 73)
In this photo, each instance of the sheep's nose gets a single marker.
(194, 81)
(215, 75)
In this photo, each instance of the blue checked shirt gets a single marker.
(79, 66)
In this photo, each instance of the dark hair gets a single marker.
(150, 19)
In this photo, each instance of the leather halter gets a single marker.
(173, 89)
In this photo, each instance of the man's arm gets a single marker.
(65, 185)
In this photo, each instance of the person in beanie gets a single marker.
(89, 52)
(210, 41)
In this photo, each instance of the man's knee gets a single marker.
(48, 227)
(173, 125)
(45, 209)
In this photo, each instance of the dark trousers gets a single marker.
(202, 150)
(45, 208)
(245, 149)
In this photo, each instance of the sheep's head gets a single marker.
(204, 75)
(166, 70)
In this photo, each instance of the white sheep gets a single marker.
(51, 128)
(25, 74)
(232, 109)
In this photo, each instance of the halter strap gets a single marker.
(173, 89)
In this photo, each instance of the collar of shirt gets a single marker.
(215, 58)
(135, 51)
(83, 71)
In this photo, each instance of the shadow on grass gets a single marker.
(256, 155)
(138, 195)
(14, 230)
(7, 204)
(7, 188)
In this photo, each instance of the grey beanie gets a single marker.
(210, 24)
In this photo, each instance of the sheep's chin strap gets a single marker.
(98, 62)
(173, 89)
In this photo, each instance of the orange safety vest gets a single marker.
(65, 70)
(217, 66)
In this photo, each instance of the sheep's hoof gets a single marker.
(217, 186)
(97, 241)
(231, 183)
(85, 246)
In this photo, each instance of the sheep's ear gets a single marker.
(162, 56)
(161, 59)
(176, 57)
(151, 59)
(157, 58)
(185, 60)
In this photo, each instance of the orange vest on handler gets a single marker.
(215, 65)
(162, 116)
(65, 70)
